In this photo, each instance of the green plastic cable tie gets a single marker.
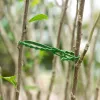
(64, 55)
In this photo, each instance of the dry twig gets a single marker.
(97, 90)
(54, 60)
(20, 48)
(89, 66)
(72, 44)
(78, 41)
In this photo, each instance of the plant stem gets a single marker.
(74, 27)
(78, 41)
(57, 45)
(78, 63)
(97, 90)
(89, 66)
(97, 93)
(72, 44)
(79, 27)
(20, 49)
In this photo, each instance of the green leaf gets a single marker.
(35, 2)
(11, 79)
(31, 88)
(38, 17)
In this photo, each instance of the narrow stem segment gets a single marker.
(57, 46)
(78, 41)
(69, 65)
(74, 27)
(97, 90)
(20, 48)
(79, 26)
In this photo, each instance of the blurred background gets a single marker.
(37, 65)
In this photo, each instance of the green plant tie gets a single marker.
(64, 55)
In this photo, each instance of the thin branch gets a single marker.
(97, 93)
(72, 43)
(10, 47)
(74, 27)
(38, 95)
(91, 33)
(97, 90)
(20, 48)
(89, 66)
(61, 23)
(77, 65)
(90, 62)
(78, 41)
(57, 45)
(79, 27)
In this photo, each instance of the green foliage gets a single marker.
(34, 2)
(28, 66)
(7, 28)
(45, 59)
(1, 98)
(85, 26)
(38, 17)
(20, 0)
(11, 36)
(42, 54)
(31, 88)
(4, 22)
(29, 62)
(11, 79)
(28, 54)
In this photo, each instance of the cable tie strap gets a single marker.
(64, 55)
